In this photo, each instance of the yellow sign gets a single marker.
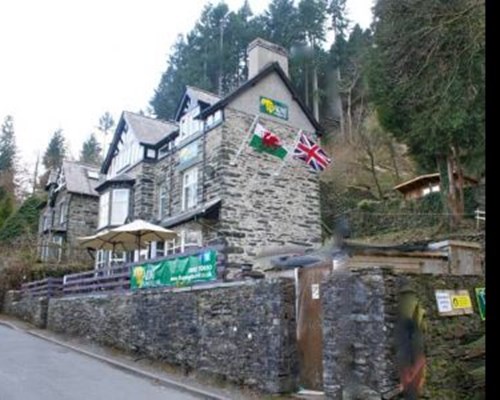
(459, 302)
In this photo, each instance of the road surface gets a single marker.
(34, 369)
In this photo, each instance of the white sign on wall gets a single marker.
(315, 291)
(443, 299)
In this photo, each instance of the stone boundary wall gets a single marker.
(361, 362)
(25, 307)
(243, 332)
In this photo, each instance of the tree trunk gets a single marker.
(340, 107)
(315, 93)
(306, 85)
(374, 172)
(392, 153)
(348, 113)
(452, 188)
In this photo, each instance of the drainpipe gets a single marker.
(68, 207)
(204, 155)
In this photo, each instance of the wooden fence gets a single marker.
(48, 287)
(109, 279)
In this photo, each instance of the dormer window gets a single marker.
(189, 125)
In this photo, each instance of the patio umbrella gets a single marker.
(137, 234)
(98, 242)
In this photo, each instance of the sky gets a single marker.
(64, 63)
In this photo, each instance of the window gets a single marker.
(104, 209)
(119, 206)
(92, 174)
(105, 257)
(150, 153)
(189, 125)
(113, 207)
(63, 210)
(57, 246)
(213, 119)
(128, 151)
(188, 239)
(157, 249)
(162, 201)
(189, 188)
(46, 222)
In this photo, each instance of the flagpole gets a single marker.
(250, 131)
(288, 154)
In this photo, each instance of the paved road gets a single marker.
(33, 369)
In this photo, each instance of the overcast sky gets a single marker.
(65, 62)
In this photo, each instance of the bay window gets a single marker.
(119, 206)
(113, 207)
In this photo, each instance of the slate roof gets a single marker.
(148, 130)
(196, 95)
(273, 67)
(77, 178)
(123, 178)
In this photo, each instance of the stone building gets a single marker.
(198, 175)
(71, 211)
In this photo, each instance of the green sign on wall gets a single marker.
(180, 271)
(481, 301)
(273, 107)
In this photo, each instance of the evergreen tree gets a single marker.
(429, 86)
(8, 154)
(55, 152)
(91, 151)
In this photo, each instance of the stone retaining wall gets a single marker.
(242, 332)
(27, 308)
(361, 361)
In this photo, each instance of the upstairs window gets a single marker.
(104, 209)
(189, 125)
(119, 206)
(63, 210)
(162, 200)
(190, 188)
(113, 207)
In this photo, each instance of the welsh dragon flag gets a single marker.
(265, 141)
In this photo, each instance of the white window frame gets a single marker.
(104, 205)
(62, 212)
(190, 188)
(162, 200)
(116, 218)
(58, 241)
(189, 125)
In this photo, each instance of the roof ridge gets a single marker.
(82, 163)
(204, 91)
(164, 121)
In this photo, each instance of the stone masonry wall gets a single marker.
(260, 209)
(359, 354)
(27, 308)
(242, 332)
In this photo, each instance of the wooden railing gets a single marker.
(117, 278)
(113, 278)
(49, 287)
(107, 279)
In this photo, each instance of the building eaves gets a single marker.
(273, 67)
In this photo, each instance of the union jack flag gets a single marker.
(309, 152)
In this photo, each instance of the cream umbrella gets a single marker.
(137, 234)
(99, 242)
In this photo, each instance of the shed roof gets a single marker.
(424, 180)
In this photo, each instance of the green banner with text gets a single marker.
(181, 271)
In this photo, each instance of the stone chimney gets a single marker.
(261, 53)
